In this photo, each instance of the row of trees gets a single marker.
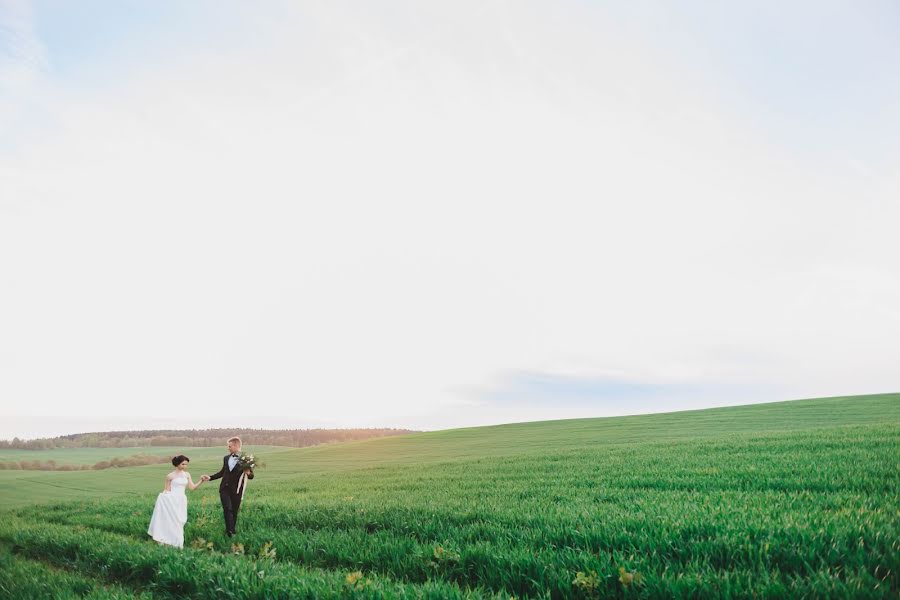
(297, 438)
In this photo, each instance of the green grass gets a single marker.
(35, 580)
(795, 499)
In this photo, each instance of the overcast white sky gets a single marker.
(432, 214)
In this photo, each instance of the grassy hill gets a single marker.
(785, 499)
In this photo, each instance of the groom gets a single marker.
(230, 474)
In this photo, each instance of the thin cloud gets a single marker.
(22, 59)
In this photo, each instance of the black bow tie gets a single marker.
(235, 456)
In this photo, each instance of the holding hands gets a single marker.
(204, 478)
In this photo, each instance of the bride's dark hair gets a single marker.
(177, 460)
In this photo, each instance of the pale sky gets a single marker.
(442, 214)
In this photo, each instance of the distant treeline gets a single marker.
(51, 465)
(297, 438)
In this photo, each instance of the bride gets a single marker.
(170, 512)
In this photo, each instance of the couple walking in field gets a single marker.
(170, 511)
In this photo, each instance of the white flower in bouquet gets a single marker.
(248, 462)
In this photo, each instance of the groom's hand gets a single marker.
(204, 478)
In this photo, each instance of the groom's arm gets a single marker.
(221, 471)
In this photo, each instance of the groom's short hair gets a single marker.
(236, 439)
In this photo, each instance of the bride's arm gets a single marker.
(168, 485)
(191, 483)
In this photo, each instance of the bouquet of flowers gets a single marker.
(248, 463)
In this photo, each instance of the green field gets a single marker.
(21, 488)
(793, 499)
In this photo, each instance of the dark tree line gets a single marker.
(297, 438)
(52, 465)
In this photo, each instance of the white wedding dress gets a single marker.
(170, 514)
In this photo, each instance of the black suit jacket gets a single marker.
(229, 477)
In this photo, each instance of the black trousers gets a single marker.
(231, 504)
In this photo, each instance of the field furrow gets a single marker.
(25, 578)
